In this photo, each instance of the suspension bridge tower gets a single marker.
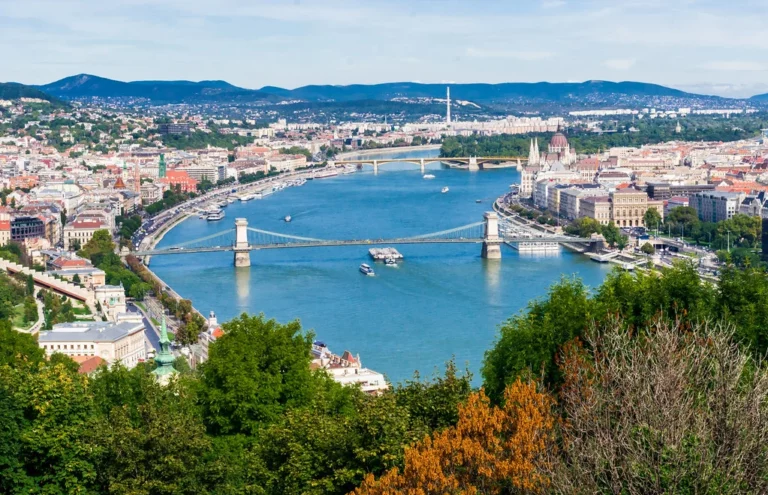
(491, 239)
(242, 249)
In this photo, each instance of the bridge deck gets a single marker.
(360, 242)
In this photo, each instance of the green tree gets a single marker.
(652, 218)
(30, 285)
(648, 248)
(30, 309)
(100, 243)
(241, 391)
(50, 413)
(528, 342)
(622, 242)
(611, 233)
(684, 216)
(155, 442)
(17, 348)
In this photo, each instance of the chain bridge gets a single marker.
(491, 232)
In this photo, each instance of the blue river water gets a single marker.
(443, 301)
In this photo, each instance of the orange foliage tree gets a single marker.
(491, 450)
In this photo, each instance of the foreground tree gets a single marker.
(529, 342)
(256, 370)
(672, 409)
(492, 450)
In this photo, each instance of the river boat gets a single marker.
(247, 197)
(324, 174)
(366, 269)
(287, 218)
(215, 215)
(444, 190)
(478, 201)
(231, 199)
(222, 204)
(428, 176)
(390, 262)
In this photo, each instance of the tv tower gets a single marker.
(448, 105)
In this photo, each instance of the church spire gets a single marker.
(531, 154)
(164, 358)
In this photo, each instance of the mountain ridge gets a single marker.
(594, 92)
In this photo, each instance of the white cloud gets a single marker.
(734, 66)
(620, 63)
(511, 54)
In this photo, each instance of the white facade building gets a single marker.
(113, 342)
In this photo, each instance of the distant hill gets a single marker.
(763, 98)
(88, 86)
(14, 91)
(504, 96)
(478, 92)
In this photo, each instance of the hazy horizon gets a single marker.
(701, 46)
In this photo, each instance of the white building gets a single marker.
(113, 342)
(111, 298)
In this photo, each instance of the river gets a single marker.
(443, 301)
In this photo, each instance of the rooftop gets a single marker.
(92, 331)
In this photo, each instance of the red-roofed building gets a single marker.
(5, 232)
(69, 263)
(81, 231)
(179, 178)
(88, 364)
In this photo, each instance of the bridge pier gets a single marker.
(375, 167)
(242, 249)
(472, 166)
(491, 239)
(423, 168)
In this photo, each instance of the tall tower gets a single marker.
(164, 358)
(136, 178)
(448, 105)
(533, 157)
(161, 166)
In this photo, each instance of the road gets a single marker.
(149, 330)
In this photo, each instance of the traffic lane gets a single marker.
(149, 331)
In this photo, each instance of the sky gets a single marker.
(706, 46)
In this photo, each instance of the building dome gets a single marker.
(558, 141)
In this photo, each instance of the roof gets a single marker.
(597, 199)
(88, 364)
(86, 224)
(94, 331)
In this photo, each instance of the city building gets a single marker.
(179, 179)
(174, 128)
(348, 370)
(113, 342)
(597, 208)
(151, 192)
(716, 206)
(80, 232)
(25, 227)
(287, 163)
(111, 298)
